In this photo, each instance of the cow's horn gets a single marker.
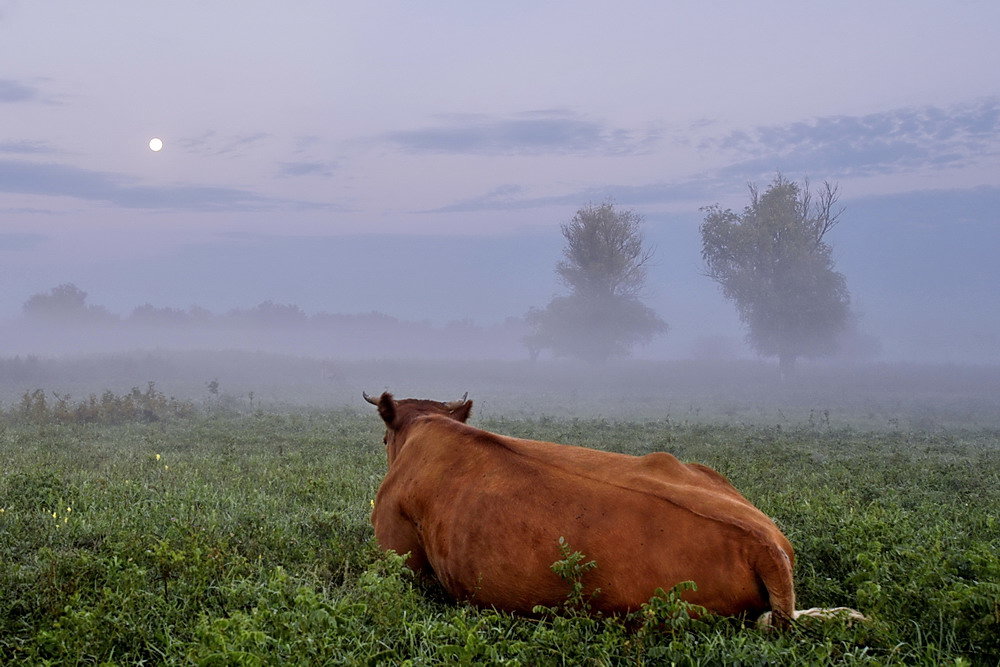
(453, 405)
(369, 398)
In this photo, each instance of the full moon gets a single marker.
(155, 144)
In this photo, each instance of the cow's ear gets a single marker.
(387, 408)
(462, 412)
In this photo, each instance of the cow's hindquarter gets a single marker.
(737, 557)
(492, 541)
(666, 544)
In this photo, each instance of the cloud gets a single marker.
(21, 241)
(50, 179)
(306, 168)
(500, 198)
(212, 143)
(307, 141)
(15, 91)
(28, 210)
(25, 147)
(894, 141)
(530, 133)
(508, 197)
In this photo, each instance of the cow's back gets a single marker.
(489, 510)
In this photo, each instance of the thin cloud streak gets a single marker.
(25, 147)
(504, 198)
(14, 91)
(306, 169)
(212, 143)
(21, 241)
(531, 133)
(22, 177)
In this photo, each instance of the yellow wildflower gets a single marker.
(157, 457)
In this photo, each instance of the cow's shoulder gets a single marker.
(661, 462)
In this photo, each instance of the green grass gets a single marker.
(245, 540)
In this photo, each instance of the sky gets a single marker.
(417, 159)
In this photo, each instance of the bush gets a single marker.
(135, 406)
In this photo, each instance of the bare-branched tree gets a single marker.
(773, 262)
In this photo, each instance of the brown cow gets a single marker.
(484, 513)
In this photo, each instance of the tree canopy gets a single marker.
(65, 302)
(604, 266)
(604, 254)
(772, 261)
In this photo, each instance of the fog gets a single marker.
(439, 316)
(921, 270)
(279, 356)
(379, 189)
(872, 396)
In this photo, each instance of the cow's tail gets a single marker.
(775, 571)
(851, 616)
(774, 567)
(832, 613)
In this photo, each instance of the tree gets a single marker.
(772, 261)
(270, 314)
(604, 266)
(65, 303)
(149, 315)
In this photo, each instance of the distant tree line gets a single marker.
(62, 319)
(772, 260)
(67, 304)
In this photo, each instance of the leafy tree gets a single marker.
(604, 266)
(66, 302)
(773, 263)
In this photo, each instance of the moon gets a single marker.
(155, 144)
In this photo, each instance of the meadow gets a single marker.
(139, 527)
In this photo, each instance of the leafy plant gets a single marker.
(571, 568)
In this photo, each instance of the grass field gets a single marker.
(214, 536)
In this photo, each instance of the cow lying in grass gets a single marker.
(483, 513)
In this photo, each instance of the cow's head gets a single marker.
(398, 414)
